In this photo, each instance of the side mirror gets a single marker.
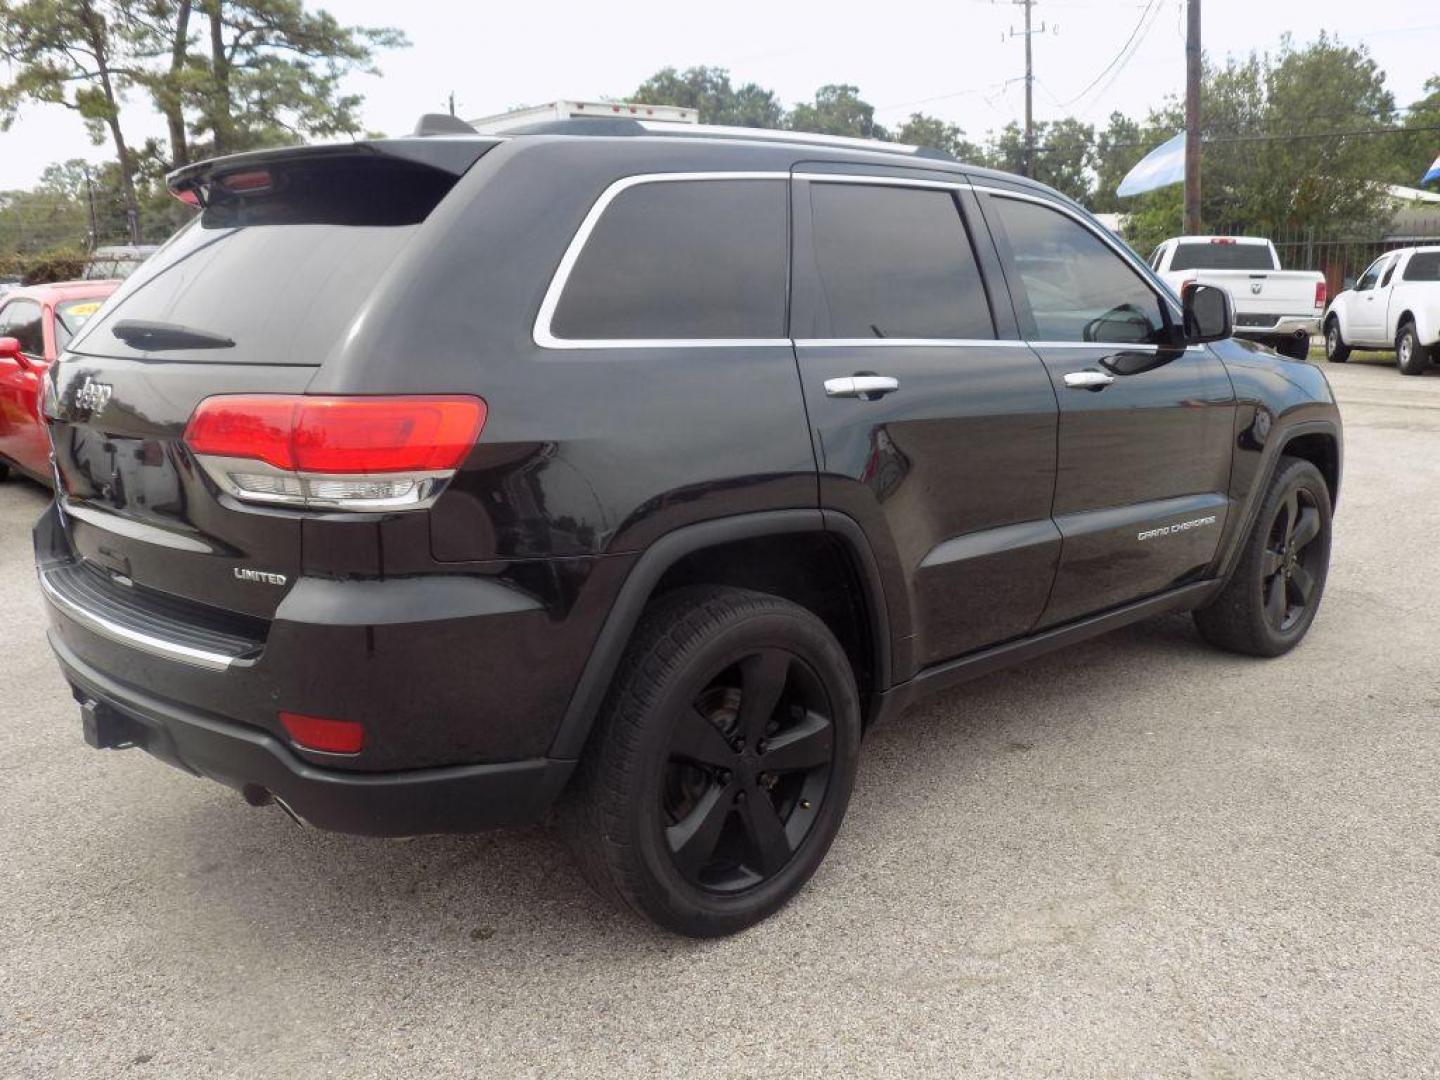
(10, 350)
(1209, 313)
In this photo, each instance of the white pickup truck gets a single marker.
(1280, 308)
(1394, 305)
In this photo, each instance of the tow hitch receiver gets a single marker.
(104, 728)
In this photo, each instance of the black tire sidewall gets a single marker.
(663, 893)
(1339, 353)
(1419, 359)
(1294, 474)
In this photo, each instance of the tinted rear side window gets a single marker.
(894, 262)
(681, 259)
(1208, 256)
(1424, 266)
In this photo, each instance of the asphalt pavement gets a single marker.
(1138, 857)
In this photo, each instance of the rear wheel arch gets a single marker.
(819, 560)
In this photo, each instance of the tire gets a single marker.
(1275, 589)
(1412, 357)
(1296, 348)
(1336, 351)
(697, 810)
(4, 472)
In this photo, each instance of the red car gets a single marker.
(36, 324)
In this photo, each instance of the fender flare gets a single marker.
(1256, 495)
(645, 575)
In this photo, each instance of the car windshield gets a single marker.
(1216, 256)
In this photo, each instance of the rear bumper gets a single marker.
(1284, 326)
(463, 798)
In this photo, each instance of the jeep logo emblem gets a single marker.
(93, 396)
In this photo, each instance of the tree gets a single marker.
(81, 54)
(709, 91)
(837, 109)
(931, 131)
(1063, 154)
(263, 72)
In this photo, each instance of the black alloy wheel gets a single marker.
(1267, 604)
(1291, 562)
(719, 771)
(747, 773)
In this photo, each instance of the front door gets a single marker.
(1145, 426)
(934, 425)
(1367, 308)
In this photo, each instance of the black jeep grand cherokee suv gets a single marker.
(421, 484)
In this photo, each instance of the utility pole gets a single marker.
(1029, 32)
(1192, 119)
(90, 197)
(452, 102)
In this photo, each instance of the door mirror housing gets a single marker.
(1209, 313)
(10, 350)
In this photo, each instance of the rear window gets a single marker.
(681, 259)
(1424, 266)
(1210, 256)
(282, 271)
(71, 315)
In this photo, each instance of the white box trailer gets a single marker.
(571, 110)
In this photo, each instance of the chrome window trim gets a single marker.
(126, 636)
(931, 343)
(545, 338)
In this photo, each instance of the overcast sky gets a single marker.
(945, 58)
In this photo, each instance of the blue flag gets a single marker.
(1433, 174)
(1163, 166)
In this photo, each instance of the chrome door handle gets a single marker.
(1088, 380)
(868, 387)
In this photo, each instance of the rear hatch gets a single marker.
(249, 298)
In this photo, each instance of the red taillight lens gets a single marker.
(1322, 293)
(319, 733)
(339, 435)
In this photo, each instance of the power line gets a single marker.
(1095, 81)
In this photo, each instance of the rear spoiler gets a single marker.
(453, 156)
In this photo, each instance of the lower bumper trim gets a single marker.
(452, 799)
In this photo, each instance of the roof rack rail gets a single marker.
(849, 142)
(443, 124)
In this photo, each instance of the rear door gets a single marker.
(1145, 427)
(934, 425)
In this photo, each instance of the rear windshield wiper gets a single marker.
(139, 334)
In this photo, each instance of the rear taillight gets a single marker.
(1322, 293)
(345, 453)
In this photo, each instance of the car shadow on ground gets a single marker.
(462, 892)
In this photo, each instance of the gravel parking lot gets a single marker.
(1137, 857)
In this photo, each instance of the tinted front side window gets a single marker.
(1213, 255)
(1078, 288)
(1423, 267)
(682, 259)
(1372, 275)
(895, 262)
(21, 320)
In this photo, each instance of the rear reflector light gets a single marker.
(359, 453)
(319, 733)
(1322, 292)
